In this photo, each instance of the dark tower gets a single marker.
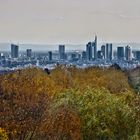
(50, 55)
(89, 51)
(14, 51)
(95, 48)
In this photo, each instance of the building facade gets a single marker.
(62, 54)
(50, 55)
(128, 53)
(120, 53)
(103, 49)
(29, 53)
(95, 48)
(14, 51)
(137, 54)
(109, 51)
(89, 50)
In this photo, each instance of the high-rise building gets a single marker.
(50, 55)
(109, 51)
(137, 55)
(62, 54)
(29, 53)
(128, 53)
(89, 50)
(95, 48)
(120, 53)
(14, 51)
(103, 49)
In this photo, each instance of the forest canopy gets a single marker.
(69, 104)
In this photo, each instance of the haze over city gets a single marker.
(69, 21)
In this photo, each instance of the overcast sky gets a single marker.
(69, 21)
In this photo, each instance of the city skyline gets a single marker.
(104, 56)
(93, 52)
(66, 22)
(69, 47)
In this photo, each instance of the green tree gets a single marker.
(103, 115)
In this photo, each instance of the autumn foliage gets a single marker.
(68, 104)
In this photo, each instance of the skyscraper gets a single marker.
(138, 55)
(50, 55)
(14, 51)
(120, 53)
(95, 48)
(89, 51)
(128, 53)
(109, 51)
(29, 53)
(103, 49)
(62, 52)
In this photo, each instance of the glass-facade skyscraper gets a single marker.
(120, 53)
(29, 53)
(103, 49)
(128, 53)
(89, 50)
(109, 51)
(137, 55)
(62, 52)
(50, 55)
(95, 48)
(14, 51)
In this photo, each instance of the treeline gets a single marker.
(68, 104)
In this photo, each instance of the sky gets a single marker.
(69, 21)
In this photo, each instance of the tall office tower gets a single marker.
(62, 52)
(120, 53)
(128, 53)
(29, 53)
(137, 55)
(89, 51)
(50, 55)
(84, 55)
(14, 51)
(109, 51)
(95, 48)
(103, 49)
